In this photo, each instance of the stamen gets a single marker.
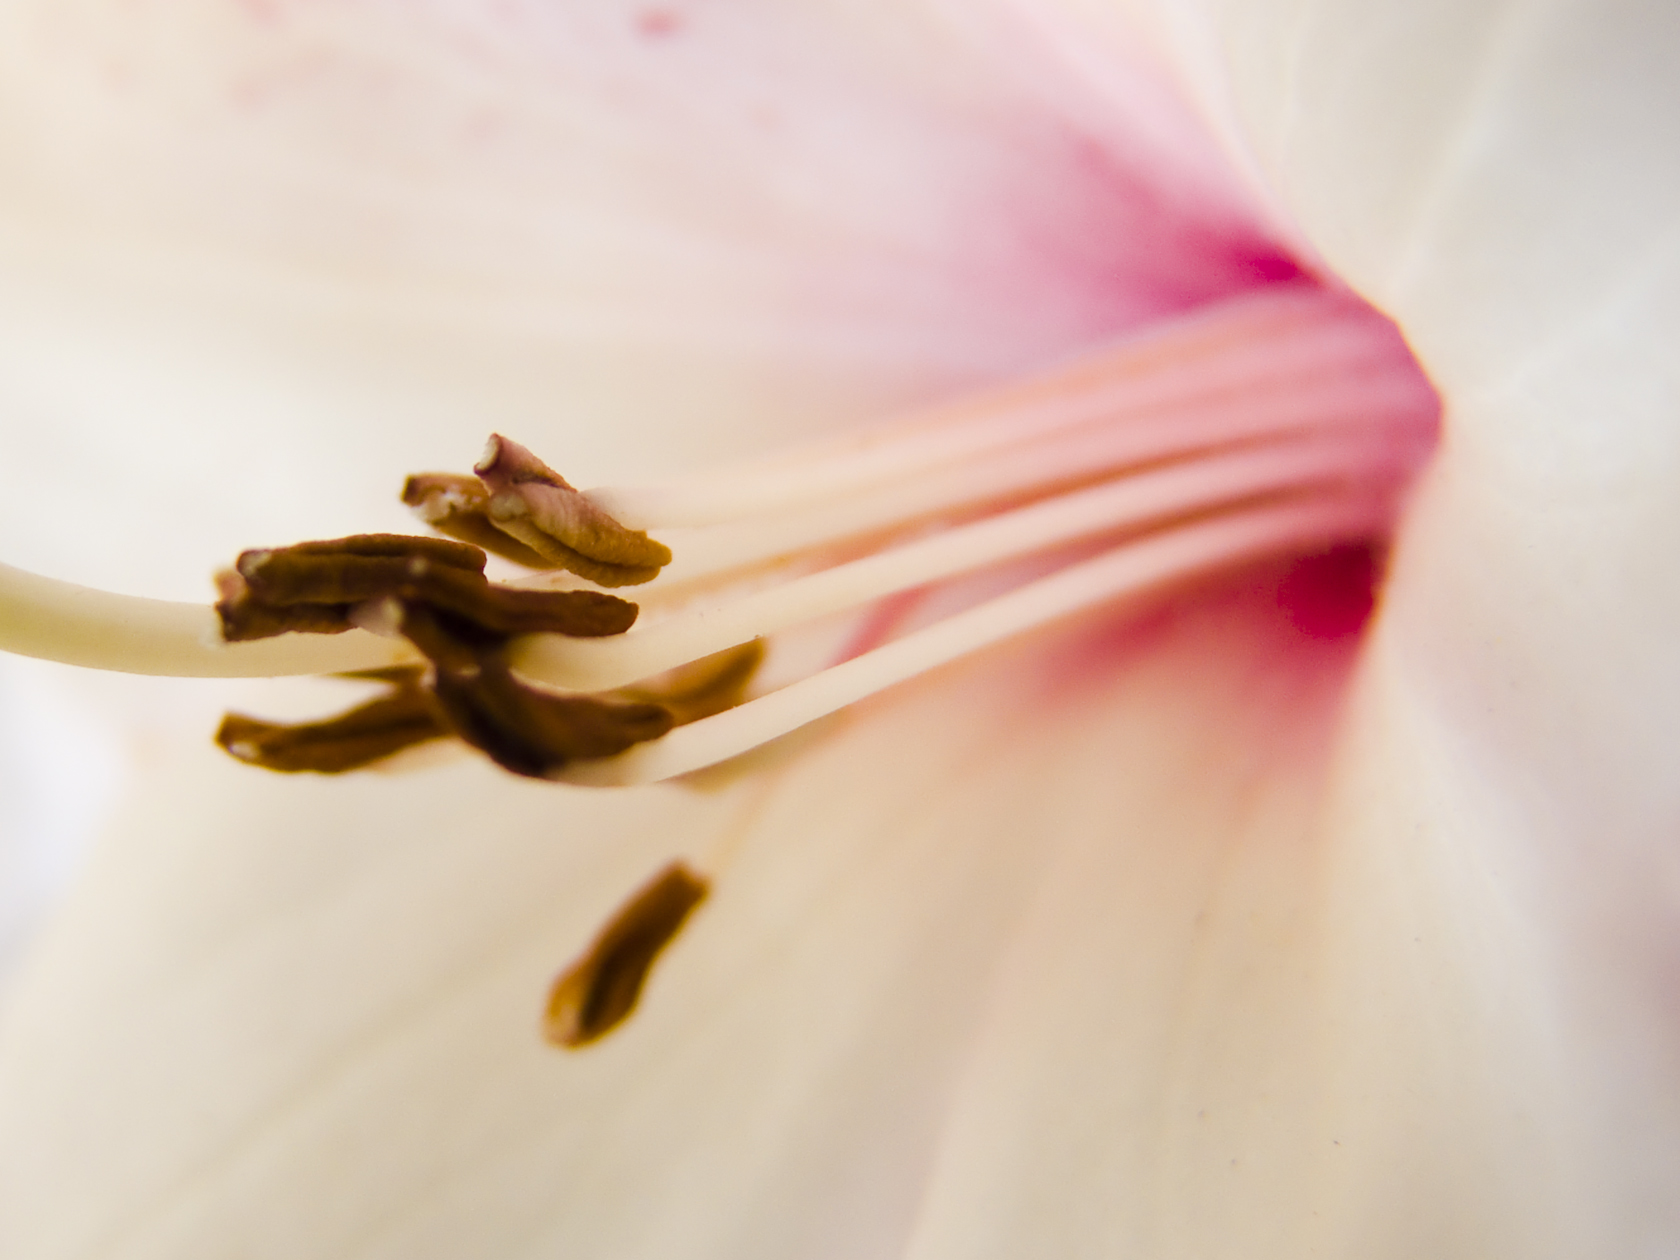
(329, 581)
(312, 588)
(246, 618)
(701, 688)
(521, 728)
(599, 991)
(521, 509)
(435, 594)
(1289, 419)
(349, 570)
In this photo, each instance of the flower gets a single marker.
(1185, 964)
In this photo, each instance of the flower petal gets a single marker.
(1250, 1017)
(304, 1017)
(1504, 180)
(313, 248)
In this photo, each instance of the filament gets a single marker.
(594, 664)
(1230, 349)
(1136, 570)
(80, 625)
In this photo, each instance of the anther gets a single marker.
(520, 727)
(459, 506)
(535, 504)
(244, 618)
(598, 992)
(520, 508)
(359, 737)
(317, 587)
(701, 689)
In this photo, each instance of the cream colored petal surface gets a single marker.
(289, 1017)
(260, 260)
(60, 772)
(1521, 216)
(1540, 277)
(1245, 1017)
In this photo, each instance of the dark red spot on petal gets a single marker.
(1267, 266)
(1330, 595)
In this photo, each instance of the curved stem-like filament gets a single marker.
(1129, 502)
(1135, 570)
(1279, 409)
(1234, 349)
(79, 625)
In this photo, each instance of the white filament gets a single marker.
(1178, 489)
(1392, 397)
(78, 625)
(1137, 569)
(1232, 350)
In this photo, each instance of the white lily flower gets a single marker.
(1188, 936)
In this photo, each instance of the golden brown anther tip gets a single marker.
(598, 992)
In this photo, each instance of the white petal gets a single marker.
(1505, 179)
(308, 249)
(60, 770)
(300, 1017)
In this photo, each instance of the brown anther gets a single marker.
(534, 733)
(598, 992)
(312, 587)
(578, 614)
(520, 727)
(443, 551)
(244, 617)
(350, 570)
(355, 738)
(536, 505)
(511, 610)
(283, 577)
(318, 586)
(460, 507)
